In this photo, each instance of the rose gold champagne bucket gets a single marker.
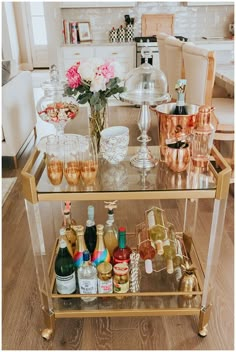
(173, 127)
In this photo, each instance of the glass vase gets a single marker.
(98, 120)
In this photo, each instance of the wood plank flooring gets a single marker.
(22, 319)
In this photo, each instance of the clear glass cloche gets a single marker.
(55, 107)
(145, 84)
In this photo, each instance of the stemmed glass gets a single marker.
(88, 160)
(54, 160)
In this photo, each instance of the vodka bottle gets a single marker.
(64, 269)
(90, 235)
(80, 246)
(110, 233)
(180, 108)
(100, 253)
(87, 278)
(121, 253)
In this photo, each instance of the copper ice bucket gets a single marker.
(173, 127)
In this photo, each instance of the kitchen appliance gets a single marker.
(151, 43)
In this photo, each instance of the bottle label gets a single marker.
(121, 288)
(116, 261)
(178, 249)
(151, 219)
(66, 284)
(105, 286)
(87, 286)
(166, 242)
(159, 245)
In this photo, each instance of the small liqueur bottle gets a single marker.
(90, 234)
(156, 229)
(67, 223)
(146, 250)
(87, 278)
(64, 269)
(180, 108)
(121, 253)
(202, 137)
(100, 253)
(80, 246)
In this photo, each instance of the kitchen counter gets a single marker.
(211, 40)
(225, 77)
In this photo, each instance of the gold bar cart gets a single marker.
(158, 296)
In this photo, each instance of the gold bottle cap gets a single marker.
(79, 229)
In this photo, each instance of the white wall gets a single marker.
(10, 45)
(190, 21)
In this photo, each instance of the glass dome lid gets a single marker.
(145, 85)
(54, 83)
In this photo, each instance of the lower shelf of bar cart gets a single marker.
(158, 294)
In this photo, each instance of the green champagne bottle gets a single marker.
(65, 271)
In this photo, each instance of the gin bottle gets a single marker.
(87, 278)
(64, 269)
(90, 235)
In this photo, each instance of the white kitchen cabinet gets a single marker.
(73, 54)
(85, 4)
(124, 54)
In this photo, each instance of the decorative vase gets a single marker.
(98, 120)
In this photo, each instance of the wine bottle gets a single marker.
(70, 233)
(100, 253)
(64, 269)
(146, 250)
(80, 246)
(90, 234)
(87, 278)
(169, 248)
(156, 229)
(180, 107)
(110, 233)
(121, 253)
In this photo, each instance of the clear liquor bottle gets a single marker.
(101, 253)
(87, 278)
(110, 233)
(80, 246)
(90, 234)
(64, 269)
(121, 253)
(180, 107)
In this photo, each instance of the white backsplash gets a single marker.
(191, 22)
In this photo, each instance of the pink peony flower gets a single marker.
(73, 77)
(107, 71)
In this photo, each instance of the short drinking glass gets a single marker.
(71, 163)
(54, 161)
(89, 160)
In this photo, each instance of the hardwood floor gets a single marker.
(21, 313)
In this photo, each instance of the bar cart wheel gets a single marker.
(203, 332)
(47, 334)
